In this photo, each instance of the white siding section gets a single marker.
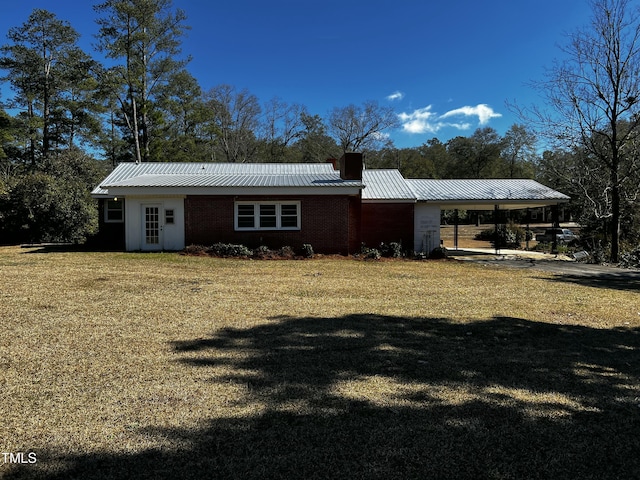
(172, 236)
(426, 230)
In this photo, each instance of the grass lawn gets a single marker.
(161, 366)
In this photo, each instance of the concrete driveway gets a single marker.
(562, 266)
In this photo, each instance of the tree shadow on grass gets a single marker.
(626, 280)
(368, 396)
(599, 276)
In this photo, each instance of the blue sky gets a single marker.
(446, 68)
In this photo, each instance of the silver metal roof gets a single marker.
(466, 193)
(386, 185)
(235, 180)
(376, 185)
(223, 175)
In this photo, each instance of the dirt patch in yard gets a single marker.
(466, 236)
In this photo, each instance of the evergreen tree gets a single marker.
(144, 37)
(51, 76)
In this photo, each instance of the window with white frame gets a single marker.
(267, 216)
(114, 210)
(169, 217)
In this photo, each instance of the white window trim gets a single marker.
(169, 218)
(256, 215)
(106, 211)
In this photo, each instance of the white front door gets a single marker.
(151, 227)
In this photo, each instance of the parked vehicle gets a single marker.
(562, 235)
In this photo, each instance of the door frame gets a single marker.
(159, 225)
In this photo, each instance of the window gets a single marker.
(245, 216)
(289, 216)
(114, 211)
(169, 217)
(267, 216)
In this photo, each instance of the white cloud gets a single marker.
(424, 120)
(397, 95)
(381, 136)
(483, 112)
(421, 120)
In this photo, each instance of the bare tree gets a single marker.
(314, 144)
(518, 151)
(235, 120)
(361, 128)
(595, 98)
(283, 126)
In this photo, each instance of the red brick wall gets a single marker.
(355, 224)
(327, 223)
(208, 219)
(387, 222)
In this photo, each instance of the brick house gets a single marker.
(335, 207)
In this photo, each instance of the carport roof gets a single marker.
(485, 194)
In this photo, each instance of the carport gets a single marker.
(498, 195)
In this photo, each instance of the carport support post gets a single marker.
(526, 233)
(455, 229)
(555, 217)
(496, 213)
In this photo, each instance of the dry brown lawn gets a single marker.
(116, 365)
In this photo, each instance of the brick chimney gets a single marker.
(351, 166)
(334, 162)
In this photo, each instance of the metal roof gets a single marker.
(235, 180)
(467, 193)
(386, 185)
(223, 175)
(376, 185)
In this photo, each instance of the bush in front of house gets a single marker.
(286, 252)
(438, 253)
(391, 250)
(231, 250)
(195, 250)
(369, 253)
(307, 250)
(387, 250)
(265, 253)
(225, 250)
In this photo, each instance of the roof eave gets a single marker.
(504, 204)
(280, 190)
(389, 200)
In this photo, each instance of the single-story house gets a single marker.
(335, 207)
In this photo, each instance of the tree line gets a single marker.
(141, 104)
(146, 106)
